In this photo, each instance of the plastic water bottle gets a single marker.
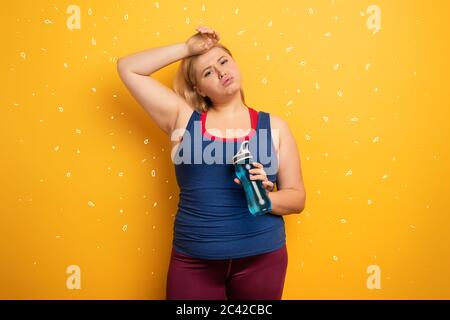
(257, 199)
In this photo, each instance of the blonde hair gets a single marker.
(185, 81)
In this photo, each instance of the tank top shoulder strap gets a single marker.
(266, 133)
(264, 123)
(195, 116)
(262, 120)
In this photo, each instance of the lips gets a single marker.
(227, 80)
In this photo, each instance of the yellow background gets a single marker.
(80, 159)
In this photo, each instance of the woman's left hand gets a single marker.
(259, 174)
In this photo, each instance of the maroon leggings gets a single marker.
(259, 277)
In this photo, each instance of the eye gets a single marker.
(222, 63)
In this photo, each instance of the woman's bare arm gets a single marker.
(160, 102)
(151, 60)
(290, 196)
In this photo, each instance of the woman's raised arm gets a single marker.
(160, 102)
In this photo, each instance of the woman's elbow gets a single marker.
(301, 202)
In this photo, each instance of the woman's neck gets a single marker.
(228, 111)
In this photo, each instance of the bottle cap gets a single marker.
(243, 153)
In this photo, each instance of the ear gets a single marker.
(199, 91)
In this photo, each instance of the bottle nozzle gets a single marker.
(243, 144)
(243, 152)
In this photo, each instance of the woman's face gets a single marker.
(211, 69)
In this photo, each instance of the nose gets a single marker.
(222, 74)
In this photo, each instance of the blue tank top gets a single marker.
(213, 220)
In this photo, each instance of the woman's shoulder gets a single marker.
(278, 128)
(277, 122)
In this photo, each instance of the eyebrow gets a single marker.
(210, 66)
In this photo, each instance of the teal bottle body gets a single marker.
(257, 199)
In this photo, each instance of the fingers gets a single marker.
(259, 170)
(268, 185)
(205, 29)
(257, 164)
(260, 174)
(262, 177)
(208, 31)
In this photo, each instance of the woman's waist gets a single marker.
(227, 198)
(232, 223)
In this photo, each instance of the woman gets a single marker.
(220, 250)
